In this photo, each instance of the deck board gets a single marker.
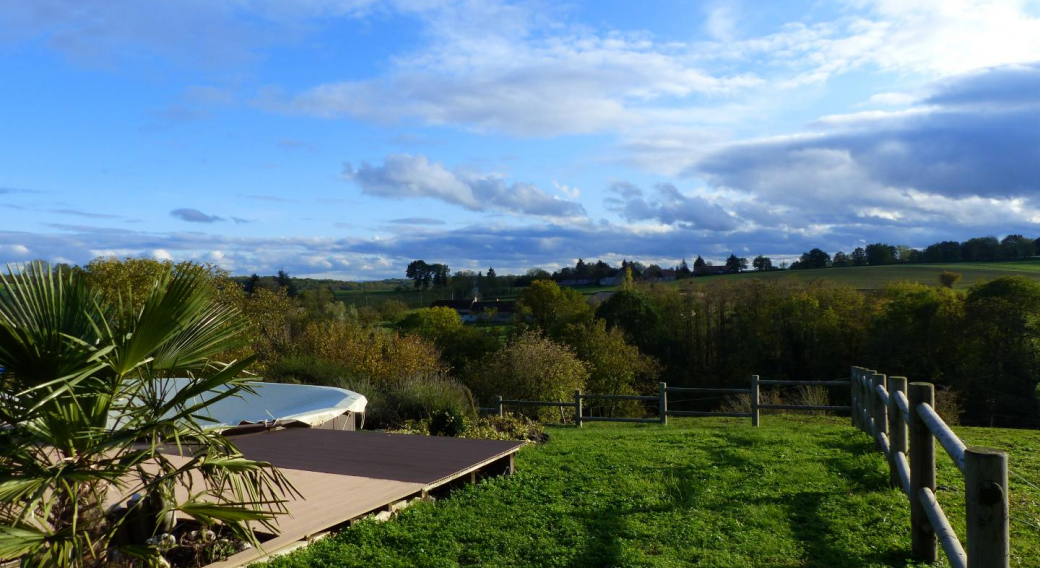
(400, 457)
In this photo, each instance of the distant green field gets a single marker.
(874, 277)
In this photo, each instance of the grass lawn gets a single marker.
(874, 277)
(799, 491)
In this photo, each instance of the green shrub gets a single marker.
(309, 370)
(419, 397)
(447, 422)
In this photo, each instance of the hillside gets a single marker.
(874, 277)
(799, 491)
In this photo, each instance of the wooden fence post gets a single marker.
(896, 426)
(755, 401)
(922, 473)
(662, 403)
(498, 406)
(868, 402)
(853, 399)
(880, 410)
(986, 497)
(577, 408)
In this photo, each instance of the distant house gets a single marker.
(610, 280)
(576, 282)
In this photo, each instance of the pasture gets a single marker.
(797, 492)
(876, 277)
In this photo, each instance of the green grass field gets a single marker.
(799, 491)
(874, 277)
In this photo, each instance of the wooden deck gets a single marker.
(346, 475)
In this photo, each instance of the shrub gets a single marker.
(447, 423)
(310, 370)
(419, 397)
(384, 357)
(432, 323)
(392, 310)
(531, 367)
(948, 278)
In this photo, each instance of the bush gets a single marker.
(531, 367)
(447, 423)
(507, 427)
(432, 323)
(419, 397)
(309, 370)
(948, 278)
(392, 310)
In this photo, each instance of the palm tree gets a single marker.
(88, 418)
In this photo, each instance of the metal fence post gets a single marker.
(662, 404)
(896, 425)
(498, 406)
(986, 497)
(922, 473)
(577, 408)
(755, 401)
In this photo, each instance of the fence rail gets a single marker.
(663, 411)
(902, 420)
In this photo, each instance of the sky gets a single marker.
(345, 138)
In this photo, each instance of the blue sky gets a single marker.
(345, 138)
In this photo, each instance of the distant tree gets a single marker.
(908, 254)
(946, 251)
(841, 260)
(815, 258)
(980, 248)
(285, 281)
(762, 263)
(948, 279)
(440, 275)
(627, 282)
(1017, 246)
(880, 254)
(250, 285)
(491, 274)
(432, 323)
(683, 270)
(420, 273)
(859, 257)
(635, 313)
(736, 264)
(550, 306)
(698, 265)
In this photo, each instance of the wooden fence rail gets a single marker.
(577, 404)
(902, 420)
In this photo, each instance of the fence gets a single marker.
(663, 412)
(902, 420)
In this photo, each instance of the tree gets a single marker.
(627, 282)
(250, 285)
(491, 274)
(815, 258)
(635, 313)
(683, 270)
(908, 254)
(432, 323)
(879, 254)
(859, 257)
(615, 365)
(420, 273)
(762, 263)
(980, 248)
(698, 265)
(530, 367)
(1002, 321)
(948, 278)
(92, 395)
(841, 260)
(1017, 246)
(284, 281)
(549, 306)
(736, 264)
(946, 251)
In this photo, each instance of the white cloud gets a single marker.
(403, 176)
